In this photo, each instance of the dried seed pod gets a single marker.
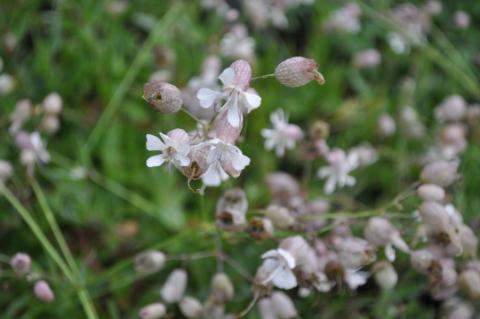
(163, 97)
(298, 71)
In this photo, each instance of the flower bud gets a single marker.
(222, 288)
(149, 261)
(469, 282)
(441, 173)
(452, 108)
(52, 104)
(231, 209)
(367, 58)
(42, 291)
(50, 124)
(243, 74)
(282, 186)
(283, 305)
(155, 310)
(280, 216)
(422, 260)
(378, 231)
(386, 125)
(462, 19)
(298, 71)
(454, 308)
(385, 275)
(21, 263)
(163, 97)
(435, 215)
(190, 307)
(6, 170)
(469, 241)
(265, 307)
(7, 83)
(174, 287)
(431, 193)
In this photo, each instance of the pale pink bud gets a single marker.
(7, 83)
(190, 307)
(283, 305)
(441, 173)
(222, 288)
(50, 124)
(174, 287)
(21, 263)
(455, 308)
(282, 186)
(355, 252)
(385, 275)
(435, 215)
(42, 291)
(367, 58)
(298, 71)
(462, 19)
(469, 282)
(431, 193)
(231, 209)
(265, 307)
(379, 231)
(149, 261)
(23, 141)
(453, 108)
(386, 125)
(163, 97)
(280, 216)
(52, 104)
(422, 260)
(153, 311)
(469, 241)
(6, 170)
(433, 7)
(243, 74)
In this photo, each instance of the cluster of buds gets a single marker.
(209, 152)
(21, 264)
(45, 118)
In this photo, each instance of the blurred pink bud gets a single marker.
(298, 71)
(433, 7)
(367, 58)
(462, 19)
(52, 104)
(280, 216)
(469, 282)
(222, 288)
(421, 260)
(21, 263)
(266, 309)
(6, 170)
(469, 241)
(50, 124)
(174, 287)
(153, 311)
(431, 192)
(386, 125)
(149, 261)
(163, 97)
(282, 186)
(385, 275)
(190, 307)
(441, 173)
(283, 305)
(23, 141)
(42, 291)
(453, 108)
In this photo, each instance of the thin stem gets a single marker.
(250, 306)
(36, 230)
(83, 294)
(266, 76)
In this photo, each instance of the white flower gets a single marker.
(223, 160)
(237, 43)
(337, 173)
(355, 278)
(283, 135)
(278, 265)
(174, 148)
(237, 99)
(41, 153)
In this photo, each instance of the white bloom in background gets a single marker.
(283, 135)
(238, 44)
(337, 172)
(174, 148)
(278, 265)
(345, 19)
(355, 278)
(223, 160)
(38, 148)
(7, 83)
(238, 98)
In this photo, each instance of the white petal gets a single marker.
(234, 116)
(285, 279)
(156, 160)
(272, 253)
(288, 258)
(329, 185)
(227, 76)
(207, 97)
(154, 143)
(390, 252)
(183, 160)
(355, 279)
(253, 100)
(240, 161)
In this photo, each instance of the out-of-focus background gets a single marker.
(97, 55)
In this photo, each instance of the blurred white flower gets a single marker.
(345, 19)
(337, 172)
(278, 265)
(7, 83)
(238, 44)
(238, 98)
(283, 135)
(174, 148)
